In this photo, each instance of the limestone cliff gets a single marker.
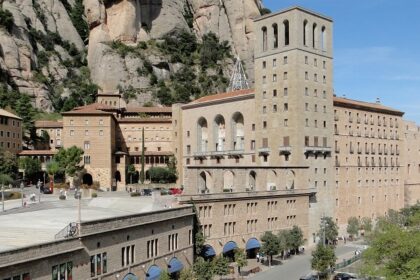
(43, 53)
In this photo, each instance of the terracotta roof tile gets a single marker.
(365, 105)
(48, 124)
(224, 95)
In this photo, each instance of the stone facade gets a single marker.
(54, 130)
(122, 244)
(10, 132)
(411, 162)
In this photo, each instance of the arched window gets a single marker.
(252, 180)
(228, 180)
(237, 131)
(202, 135)
(219, 130)
(286, 32)
(305, 32)
(276, 36)
(314, 36)
(264, 38)
(323, 38)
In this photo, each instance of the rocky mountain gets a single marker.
(60, 52)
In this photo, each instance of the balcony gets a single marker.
(264, 151)
(235, 153)
(317, 150)
(285, 150)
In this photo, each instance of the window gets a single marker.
(188, 149)
(306, 107)
(86, 122)
(306, 60)
(87, 145)
(274, 62)
(63, 271)
(324, 94)
(285, 92)
(276, 36)
(264, 64)
(252, 145)
(274, 93)
(316, 77)
(264, 39)
(86, 159)
(101, 132)
(71, 122)
(264, 124)
(264, 109)
(307, 122)
(306, 75)
(127, 255)
(101, 122)
(253, 127)
(285, 107)
(264, 94)
(285, 60)
(315, 62)
(172, 242)
(286, 32)
(86, 132)
(264, 79)
(286, 122)
(285, 76)
(188, 133)
(98, 264)
(274, 108)
(274, 78)
(306, 92)
(324, 79)
(71, 132)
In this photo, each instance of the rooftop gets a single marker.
(48, 124)
(290, 9)
(40, 222)
(223, 96)
(369, 106)
(8, 114)
(37, 153)
(149, 109)
(94, 108)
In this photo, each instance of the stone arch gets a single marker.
(202, 134)
(286, 32)
(205, 182)
(228, 179)
(323, 38)
(252, 180)
(275, 36)
(305, 32)
(87, 179)
(314, 36)
(271, 180)
(290, 179)
(219, 132)
(264, 38)
(238, 131)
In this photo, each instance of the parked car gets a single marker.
(310, 276)
(174, 191)
(344, 276)
(147, 192)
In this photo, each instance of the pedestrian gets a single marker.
(258, 257)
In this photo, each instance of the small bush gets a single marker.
(94, 195)
(133, 194)
(6, 19)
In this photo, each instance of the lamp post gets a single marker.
(21, 191)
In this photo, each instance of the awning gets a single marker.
(153, 273)
(130, 276)
(175, 265)
(208, 251)
(253, 243)
(231, 245)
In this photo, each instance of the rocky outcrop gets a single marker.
(129, 21)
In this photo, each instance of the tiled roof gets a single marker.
(149, 109)
(377, 107)
(94, 108)
(8, 114)
(48, 124)
(221, 96)
(37, 153)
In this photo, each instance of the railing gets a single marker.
(316, 149)
(71, 230)
(285, 150)
(264, 150)
(348, 262)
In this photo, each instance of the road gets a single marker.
(297, 266)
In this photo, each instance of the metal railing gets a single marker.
(71, 230)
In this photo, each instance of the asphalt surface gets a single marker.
(298, 266)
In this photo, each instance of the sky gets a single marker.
(376, 49)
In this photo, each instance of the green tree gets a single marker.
(394, 252)
(329, 229)
(203, 270)
(8, 163)
(199, 242)
(366, 224)
(131, 171)
(31, 166)
(69, 160)
(53, 168)
(5, 179)
(164, 275)
(296, 238)
(240, 259)
(164, 94)
(270, 245)
(212, 51)
(284, 241)
(323, 259)
(220, 266)
(187, 274)
(353, 226)
(162, 175)
(6, 19)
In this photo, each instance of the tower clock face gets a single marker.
(290, 179)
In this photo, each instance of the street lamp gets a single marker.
(21, 191)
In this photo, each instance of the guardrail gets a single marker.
(348, 262)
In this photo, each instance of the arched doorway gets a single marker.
(153, 273)
(229, 250)
(117, 176)
(174, 268)
(252, 180)
(252, 247)
(87, 179)
(228, 180)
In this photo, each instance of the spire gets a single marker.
(238, 79)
